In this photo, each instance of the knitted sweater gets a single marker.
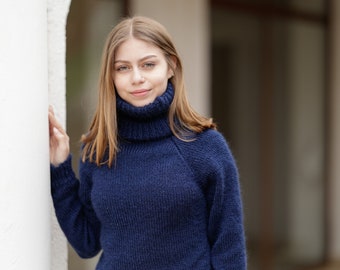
(165, 204)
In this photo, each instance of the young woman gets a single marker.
(158, 184)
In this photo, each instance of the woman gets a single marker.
(158, 184)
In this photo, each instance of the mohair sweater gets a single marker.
(165, 204)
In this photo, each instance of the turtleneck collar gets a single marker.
(145, 123)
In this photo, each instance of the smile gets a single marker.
(140, 92)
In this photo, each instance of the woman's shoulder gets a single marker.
(209, 141)
(211, 137)
(208, 147)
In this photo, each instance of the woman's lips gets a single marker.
(140, 92)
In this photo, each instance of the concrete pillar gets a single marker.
(334, 139)
(57, 11)
(24, 159)
(188, 23)
(25, 223)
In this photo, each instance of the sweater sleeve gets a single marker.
(213, 164)
(225, 222)
(71, 199)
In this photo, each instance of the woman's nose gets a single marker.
(137, 76)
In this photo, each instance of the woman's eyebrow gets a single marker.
(140, 60)
(148, 57)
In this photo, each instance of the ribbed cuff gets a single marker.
(62, 173)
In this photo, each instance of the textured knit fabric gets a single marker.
(165, 204)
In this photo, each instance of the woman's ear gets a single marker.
(172, 66)
(170, 73)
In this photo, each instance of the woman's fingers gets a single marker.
(53, 122)
(59, 140)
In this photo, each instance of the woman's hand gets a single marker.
(59, 140)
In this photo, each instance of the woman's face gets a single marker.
(140, 73)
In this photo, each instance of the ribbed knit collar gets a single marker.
(145, 123)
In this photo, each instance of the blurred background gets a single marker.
(261, 69)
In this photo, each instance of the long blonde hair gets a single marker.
(102, 137)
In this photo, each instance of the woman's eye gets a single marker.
(122, 68)
(148, 65)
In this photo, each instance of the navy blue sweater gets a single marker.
(165, 204)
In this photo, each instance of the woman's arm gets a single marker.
(225, 222)
(212, 162)
(70, 197)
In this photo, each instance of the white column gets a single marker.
(57, 11)
(334, 158)
(25, 77)
(188, 23)
(24, 158)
